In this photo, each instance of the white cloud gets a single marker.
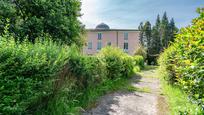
(129, 13)
(90, 11)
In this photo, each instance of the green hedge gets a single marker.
(117, 62)
(47, 77)
(27, 72)
(184, 60)
(88, 70)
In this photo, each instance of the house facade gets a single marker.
(102, 36)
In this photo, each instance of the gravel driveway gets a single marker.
(134, 103)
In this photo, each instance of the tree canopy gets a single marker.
(32, 18)
(157, 37)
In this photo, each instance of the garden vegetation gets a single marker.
(42, 70)
(48, 77)
(31, 18)
(183, 61)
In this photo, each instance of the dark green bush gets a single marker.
(29, 18)
(184, 60)
(88, 70)
(91, 73)
(27, 72)
(49, 78)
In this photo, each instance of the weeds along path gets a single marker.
(141, 97)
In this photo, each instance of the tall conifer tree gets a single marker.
(156, 39)
(147, 32)
(164, 30)
(158, 21)
(141, 29)
(172, 30)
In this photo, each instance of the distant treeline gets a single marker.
(155, 38)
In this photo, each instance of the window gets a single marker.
(89, 45)
(109, 44)
(125, 35)
(99, 45)
(99, 36)
(125, 46)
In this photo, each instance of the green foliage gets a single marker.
(139, 61)
(166, 61)
(88, 99)
(89, 70)
(184, 60)
(92, 77)
(27, 72)
(31, 18)
(148, 33)
(164, 30)
(177, 99)
(50, 78)
(156, 42)
(157, 37)
(133, 89)
(117, 62)
(141, 28)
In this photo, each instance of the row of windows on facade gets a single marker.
(99, 45)
(125, 36)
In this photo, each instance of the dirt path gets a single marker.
(146, 101)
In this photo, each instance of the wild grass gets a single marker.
(92, 94)
(178, 101)
(137, 89)
(73, 101)
(148, 67)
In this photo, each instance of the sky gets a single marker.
(127, 14)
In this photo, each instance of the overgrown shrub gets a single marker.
(139, 61)
(128, 66)
(117, 62)
(91, 75)
(88, 70)
(184, 60)
(27, 72)
(167, 64)
(47, 77)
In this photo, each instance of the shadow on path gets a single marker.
(131, 103)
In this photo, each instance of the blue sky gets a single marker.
(127, 14)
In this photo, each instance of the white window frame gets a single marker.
(126, 46)
(99, 48)
(126, 35)
(90, 45)
(99, 36)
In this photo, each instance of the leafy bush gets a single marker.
(89, 70)
(48, 77)
(27, 72)
(92, 76)
(128, 66)
(184, 60)
(139, 61)
(117, 62)
(167, 61)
